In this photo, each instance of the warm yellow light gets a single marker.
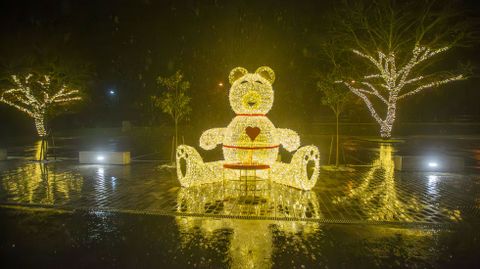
(250, 241)
(36, 104)
(41, 183)
(250, 138)
(378, 194)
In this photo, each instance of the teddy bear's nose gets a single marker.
(251, 103)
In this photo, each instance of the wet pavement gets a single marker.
(370, 194)
(139, 216)
(49, 239)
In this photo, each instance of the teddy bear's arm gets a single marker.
(288, 138)
(211, 138)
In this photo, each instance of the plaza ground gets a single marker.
(138, 216)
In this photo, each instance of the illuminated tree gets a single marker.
(175, 100)
(397, 42)
(38, 96)
(391, 83)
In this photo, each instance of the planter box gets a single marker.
(428, 163)
(101, 157)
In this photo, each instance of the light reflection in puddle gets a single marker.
(41, 183)
(432, 181)
(378, 195)
(250, 241)
(381, 200)
(251, 199)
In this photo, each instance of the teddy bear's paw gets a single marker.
(189, 165)
(210, 138)
(306, 162)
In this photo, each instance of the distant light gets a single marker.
(111, 92)
(432, 164)
(100, 158)
(353, 81)
(220, 84)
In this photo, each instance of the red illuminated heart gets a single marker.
(252, 132)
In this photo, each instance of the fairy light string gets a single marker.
(36, 96)
(390, 81)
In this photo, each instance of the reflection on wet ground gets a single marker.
(369, 194)
(112, 240)
(240, 224)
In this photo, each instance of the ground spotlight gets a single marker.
(432, 164)
(104, 157)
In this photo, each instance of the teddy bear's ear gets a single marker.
(236, 73)
(267, 73)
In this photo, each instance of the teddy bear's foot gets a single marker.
(191, 170)
(301, 172)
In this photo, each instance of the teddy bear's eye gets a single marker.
(243, 82)
(258, 81)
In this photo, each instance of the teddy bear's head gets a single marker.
(251, 93)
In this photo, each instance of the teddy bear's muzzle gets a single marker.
(251, 100)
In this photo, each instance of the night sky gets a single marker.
(125, 45)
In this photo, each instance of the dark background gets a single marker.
(126, 45)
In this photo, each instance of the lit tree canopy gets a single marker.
(37, 96)
(396, 41)
(391, 83)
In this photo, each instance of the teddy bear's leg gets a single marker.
(191, 170)
(302, 172)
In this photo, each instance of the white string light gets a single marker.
(35, 103)
(393, 81)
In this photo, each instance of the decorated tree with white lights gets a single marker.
(38, 96)
(391, 83)
(398, 43)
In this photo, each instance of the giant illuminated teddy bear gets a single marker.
(250, 139)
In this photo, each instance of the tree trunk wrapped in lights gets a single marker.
(397, 42)
(40, 124)
(392, 83)
(36, 97)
